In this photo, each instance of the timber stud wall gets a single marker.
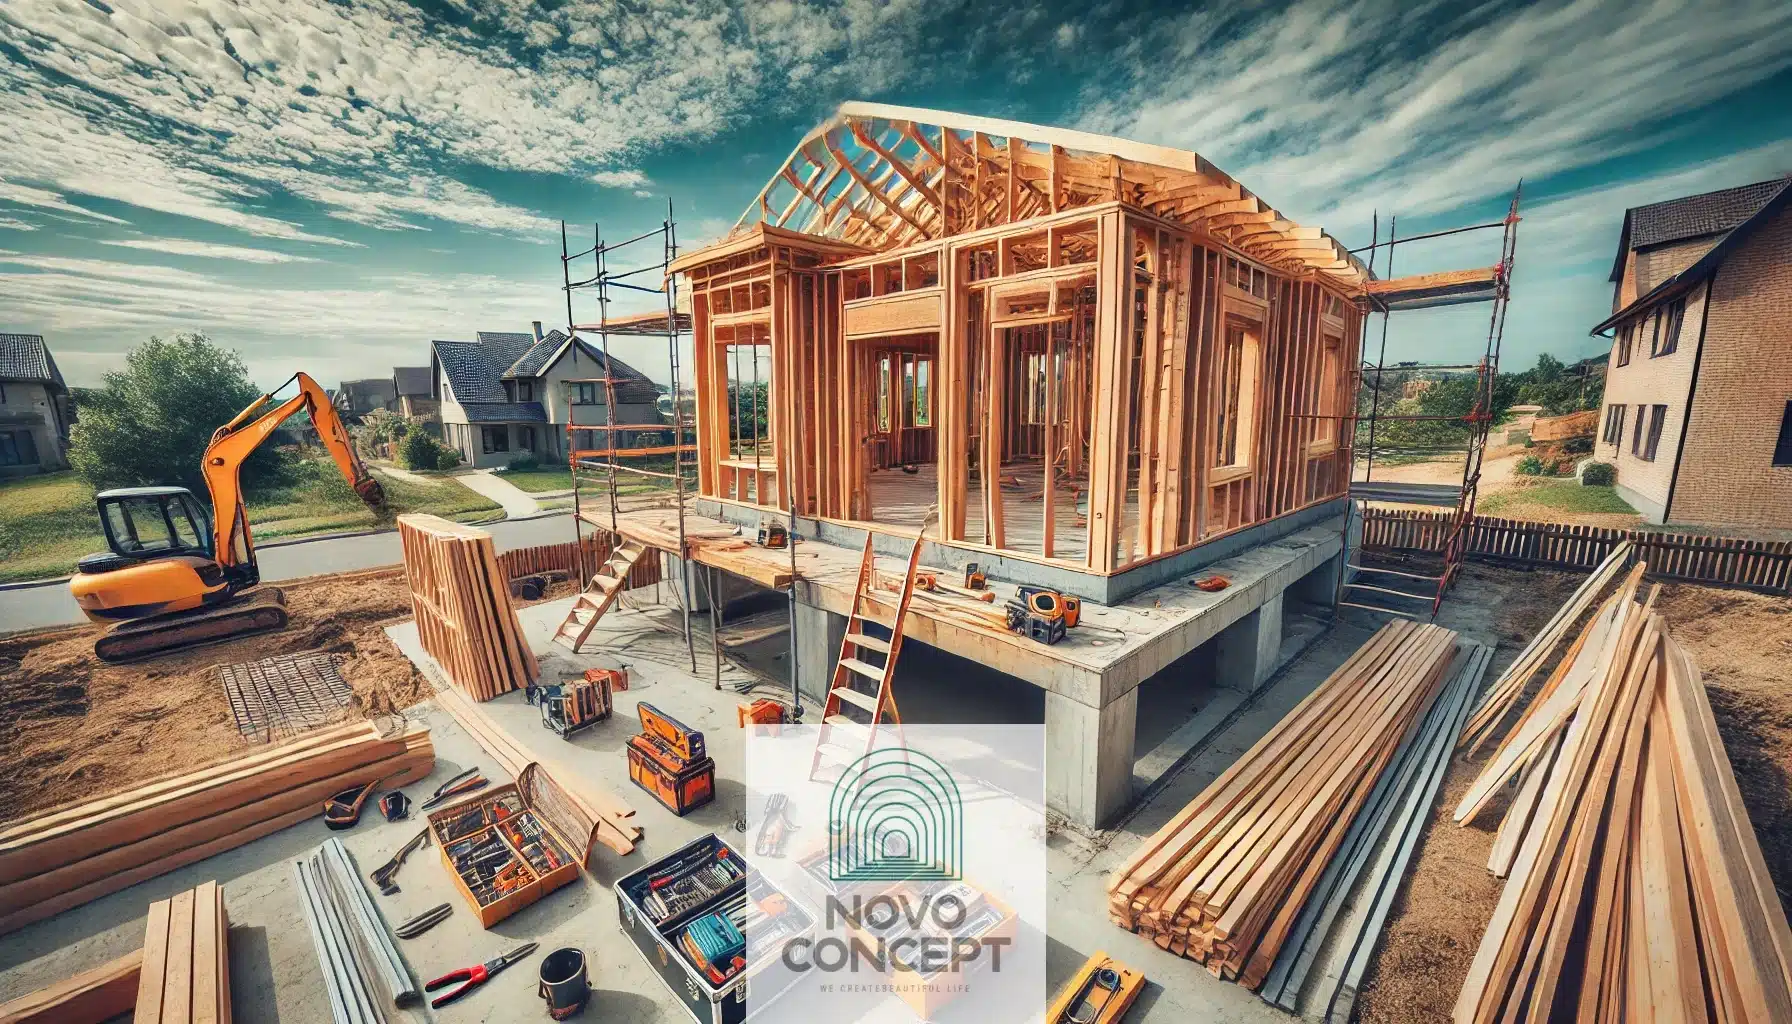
(1128, 317)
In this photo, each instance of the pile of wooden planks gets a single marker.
(611, 820)
(460, 597)
(185, 976)
(1223, 881)
(1636, 890)
(1506, 691)
(67, 857)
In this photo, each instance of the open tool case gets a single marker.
(523, 856)
(673, 910)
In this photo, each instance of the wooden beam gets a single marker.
(91, 997)
(1013, 202)
(896, 163)
(1057, 177)
(1441, 279)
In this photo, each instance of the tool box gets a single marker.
(572, 706)
(685, 909)
(668, 759)
(503, 853)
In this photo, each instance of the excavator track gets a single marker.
(260, 611)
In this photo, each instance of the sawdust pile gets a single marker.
(1742, 642)
(85, 728)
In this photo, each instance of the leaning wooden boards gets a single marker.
(1223, 881)
(461, 600)
(185, 978)
(67, 857)
(1637, 888)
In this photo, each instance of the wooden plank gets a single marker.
(153, 978)
(93, 996)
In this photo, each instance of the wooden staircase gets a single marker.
(599, 594)
(862, 675)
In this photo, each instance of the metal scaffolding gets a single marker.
(626, 444)
(1398, 592)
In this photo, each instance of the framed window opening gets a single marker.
(1636, 430)
(1614, 425)
(1624, 338)
(1670, 333)
(1235, 401)
(1782, 450)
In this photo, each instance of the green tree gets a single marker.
(150, 422)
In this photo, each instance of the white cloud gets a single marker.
(1313, 106)
(211, 108)
(15, 224)
(625, 178)
(44, 199)
(209, 250)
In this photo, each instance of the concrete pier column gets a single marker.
(1320, 587)
(1247, 648)
(1088, 756)
(818, 636)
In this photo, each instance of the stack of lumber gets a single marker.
(185, 977)
(598, 812)
(1223, 881)
(91, 997)
(79, 853)
(1506, 691)
(1637, 890)
(461, 600)
(1368, 868)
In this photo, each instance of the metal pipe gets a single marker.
(1431, 234)
(346, 881)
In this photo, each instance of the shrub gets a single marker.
(150, 422)
(1530, 465)
(446, 457)
(420, 451)
(524, 464)
(1578, 445)
(1599, 474)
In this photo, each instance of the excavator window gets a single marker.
(152, 524)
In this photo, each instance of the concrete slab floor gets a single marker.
(274, 970)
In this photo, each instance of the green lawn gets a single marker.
(1561, 495)
(535, 481)
(48, 522)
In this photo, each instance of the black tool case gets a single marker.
(766, 976)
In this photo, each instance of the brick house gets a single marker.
(35, 411)
(508, 396)
(1698, 414)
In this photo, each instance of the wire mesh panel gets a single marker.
(284, 695)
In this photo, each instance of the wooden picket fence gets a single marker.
(1724, 561)
(564, 558)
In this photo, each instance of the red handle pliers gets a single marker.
(474, 976)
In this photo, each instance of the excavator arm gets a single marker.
(232, 444)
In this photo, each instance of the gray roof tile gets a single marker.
(536, 358)
(505, 412)
(411, 380)
(470, 376)
(1694, 216)
(26, 357)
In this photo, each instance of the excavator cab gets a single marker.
(149, 522)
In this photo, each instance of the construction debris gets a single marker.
(1224, 880)
(461, 601)
(1638, 890)
(185, 976)
(68, 857)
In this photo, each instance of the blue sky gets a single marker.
(328, 185)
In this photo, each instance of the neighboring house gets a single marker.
(360, 397)
(1698, 392)
(508, 396)
(35, 411)
(416, 396)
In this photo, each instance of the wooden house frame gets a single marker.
(1042, 344)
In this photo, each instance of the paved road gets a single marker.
(51, 605)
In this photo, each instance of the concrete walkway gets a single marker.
(518, 503)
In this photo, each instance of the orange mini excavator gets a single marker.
(180, 575)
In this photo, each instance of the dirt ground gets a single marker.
(1742, 642)
(86, 728)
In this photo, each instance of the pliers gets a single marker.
(474, 976)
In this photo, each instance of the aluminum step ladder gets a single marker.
(859, 694)
(599, 594)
